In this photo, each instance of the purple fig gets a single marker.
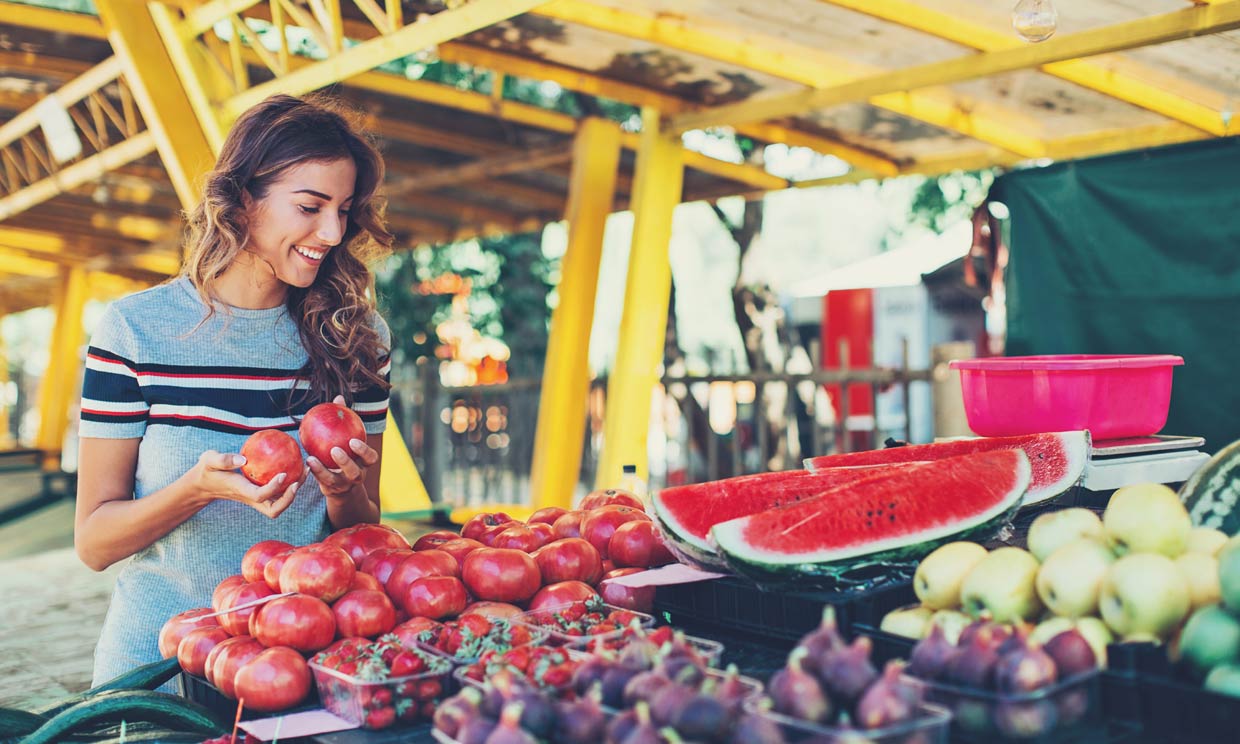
(755, 728)
(537, 713)
(475, 730)
(644, 686)
(931, 655)
(580, 721)
(847, 671)
(620, 726)
(974, 662)
(639, 654)
(731, 691)
(452, 713)
(1072, 653)
(1017, 639)
(644, 731)
(797, 693)
(1026, 720)
(509, 730)
(703, 718)
(822, 640)
(614, 681)
(591, 671)
(682, 668)
(889, 701)
(1025, 669)
(667, 704)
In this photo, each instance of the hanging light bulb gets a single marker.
(1035, 20)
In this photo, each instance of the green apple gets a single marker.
(1200, 572)
(1002, 585)
(910, 622)
(1143, 596)
(1205, 540)
(1229, 573)
(1052, 530)
(1211, 637)
(952, 622)
(1069, 580)
(940, 574)
(1146, 518)
(1224, 679)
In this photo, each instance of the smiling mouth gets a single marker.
(309, 253)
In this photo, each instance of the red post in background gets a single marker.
(848, 320)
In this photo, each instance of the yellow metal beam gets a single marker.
(60, 379)
(169, 117)
(560, 433)
(639, 352)
(1095, 75)
(1180, 24)
(202, 81)
(79, 173)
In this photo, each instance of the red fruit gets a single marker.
(382, 562)
(181, 624)
(365, 581)
(480, 523)
(257, 557)
(571, 559)
(275, 679)
(300, 622)
(600, 524)
(490, 534)
(361, 540)
(546, 515)
(639, 544)
(269, 453)
(639, 599)
(501, 575)
(517, 537)
(434, 539)
(329, 425)
(409, 630)
(238, 623)
(544, 531)
(561, 593)
(436, 597)
(364, 613)
(610, 497)
(568, 525)
(492, 610)
(322, 571)
(460, 548)
(197, 644)
(417, 565)
(228, 657)
(271, 571)
(226, 588)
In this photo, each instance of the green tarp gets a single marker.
(1133, 254)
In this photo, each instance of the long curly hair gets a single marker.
(334, 314)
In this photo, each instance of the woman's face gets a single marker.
(301, 218)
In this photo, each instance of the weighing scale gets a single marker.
(1154, 459)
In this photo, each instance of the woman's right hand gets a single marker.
(216, 477)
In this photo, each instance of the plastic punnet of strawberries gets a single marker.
(469, 637)
(548, 668)
(377, 683)
(585, 620)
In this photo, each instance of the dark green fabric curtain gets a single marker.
(1137, 253)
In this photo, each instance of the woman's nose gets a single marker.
(331, 228)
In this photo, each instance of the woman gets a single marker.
(271, 315)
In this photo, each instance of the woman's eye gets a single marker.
(308, 210)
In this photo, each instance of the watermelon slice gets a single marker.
(898, 517)
(685, 514)
(1058, 459)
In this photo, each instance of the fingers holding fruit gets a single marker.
(335, 439)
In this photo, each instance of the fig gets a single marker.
(580, 721)
(590, 671)
(614, 681)
(847, 671)
(755, 728)
(890, 700)
(730, 690)
(452, 713)
(537, 713)
(682, 668)
(476, 731)
(1071, 653)
(1025, 669)
(667, 704)
(644, 686)
(974, 663)
(795, 692)
(931, 655)
(703, 718)
(1026, 720)
(643, 731)
(620, 726)
(508, 730)
(822, 640)
(639, 654)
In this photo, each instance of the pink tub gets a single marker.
(1114, 396)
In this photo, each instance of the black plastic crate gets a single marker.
(1184, 713)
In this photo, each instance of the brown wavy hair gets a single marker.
(334, 315)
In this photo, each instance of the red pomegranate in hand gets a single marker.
(269, 453)
(329, 425)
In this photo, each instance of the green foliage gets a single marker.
(943, 201)
(75, 6)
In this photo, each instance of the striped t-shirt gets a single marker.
(152, 372)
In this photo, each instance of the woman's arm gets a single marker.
(110, 524)
(352, 493)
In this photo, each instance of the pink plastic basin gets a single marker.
(1113, 396)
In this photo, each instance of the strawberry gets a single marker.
(380, 718)
(406, 663)
(429, 689)
(479, 625)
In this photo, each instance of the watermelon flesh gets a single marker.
(1058, 459)
(898, 517)
(685, 514)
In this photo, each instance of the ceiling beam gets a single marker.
(501, 165)
(24, 15)
(1173, 26)
(83, 171)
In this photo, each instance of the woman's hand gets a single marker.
(215, 476)
(346, 475)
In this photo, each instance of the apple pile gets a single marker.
(1133, 575)
(1209, 644)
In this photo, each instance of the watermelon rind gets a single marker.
(1211, 493)
(772, 570)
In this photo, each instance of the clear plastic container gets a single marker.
(1113, 396)
(929, 727)
(1042, 716)
(494, 640)
(379, 705)
(475, 674)
(545, 620)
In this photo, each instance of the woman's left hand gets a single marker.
(348, 473)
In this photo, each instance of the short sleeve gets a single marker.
(113, 406)
(371, 402)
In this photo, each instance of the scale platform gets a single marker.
(1155, 459)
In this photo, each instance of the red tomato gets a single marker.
(568, 525)
(640, 599)
(256, 558)
(224, 589)
(501, 575)
(608, 565)
(365, 581)
(361, 540)
(330, 425)
(276, 679)
(571, 559)
(382, 562)
(480, 523)
(639, 544)
(561, 593)
(271, 571)
(545, 532)
(610, 497)
(238, 623)
(460, 548)
(193, 649)
(300, 621)
(436, 597)
(364, 613)
(417, 565)
(489, 535)
(599, 525)
(323, 571)
(546, 515)
(268, 453)
(434, 539)
(228, 657)
(178, 625)
(517, 537)
(409, 630)
(493, 610)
